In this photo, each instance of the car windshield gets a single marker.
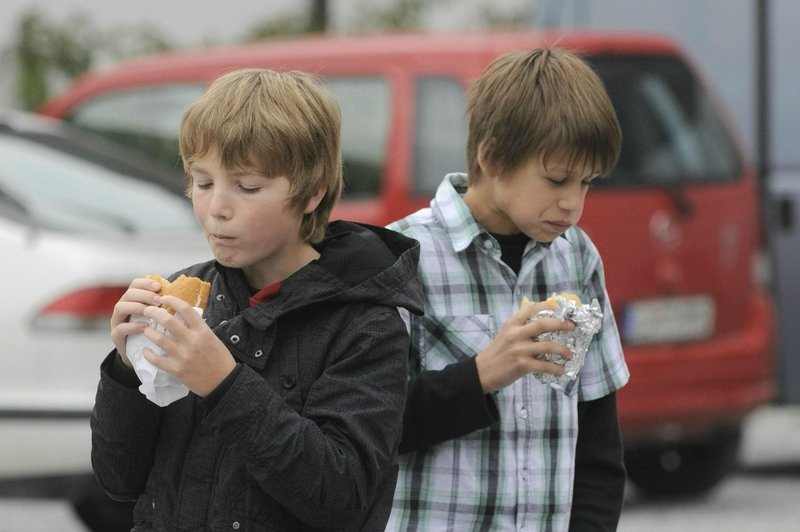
(56, 189)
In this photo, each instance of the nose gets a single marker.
(219, 205)
(571, 200)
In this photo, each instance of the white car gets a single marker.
(78, 221)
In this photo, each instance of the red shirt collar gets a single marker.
(265, 293)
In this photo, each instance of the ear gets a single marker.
(314, 201)
(487, 168)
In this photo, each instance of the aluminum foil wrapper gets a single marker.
(588, 319)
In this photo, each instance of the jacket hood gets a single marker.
(358, 263)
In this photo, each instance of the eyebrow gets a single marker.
(197, 169)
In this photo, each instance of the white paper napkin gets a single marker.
(157, 385)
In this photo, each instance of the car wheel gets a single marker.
(684, 468)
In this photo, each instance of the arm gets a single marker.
(124, 430)
(444, 405)
(599, 483)
(455, 401)
(124, 423)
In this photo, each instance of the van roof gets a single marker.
(185, 65)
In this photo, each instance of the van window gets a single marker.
(671, 132)
(145, 120)
(440, 132)
(366, 112)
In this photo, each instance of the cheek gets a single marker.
(199, 209)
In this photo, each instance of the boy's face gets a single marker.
(540, 202)
(246, 221)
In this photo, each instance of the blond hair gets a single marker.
(278, 123)
(536, 104)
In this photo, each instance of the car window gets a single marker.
(147, 120)
(57, 190)
(671, 132)
(440, 131)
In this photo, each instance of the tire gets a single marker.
(686, 468)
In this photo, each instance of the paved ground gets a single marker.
(764, 496)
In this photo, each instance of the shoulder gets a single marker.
(578, 244)
(419, 222)
(580, 241)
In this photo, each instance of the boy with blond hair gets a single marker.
(297, 369)
(486, 444)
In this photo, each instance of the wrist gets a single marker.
(488, 385)
(124, 360)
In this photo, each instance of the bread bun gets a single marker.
(553, 300)
(527, 306)
(193, 290)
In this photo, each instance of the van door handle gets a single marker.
(786, 213)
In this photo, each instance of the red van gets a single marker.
(677, 223)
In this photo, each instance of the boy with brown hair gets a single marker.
(297, 368)
(486, 444)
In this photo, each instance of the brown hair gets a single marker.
(278, 123)
(536, 104)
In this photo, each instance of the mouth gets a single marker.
(220, 238)
(559, 226)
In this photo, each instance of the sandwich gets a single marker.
(587, 319)
(193, 290)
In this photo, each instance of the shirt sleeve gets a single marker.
(445, 404)
(604, 370)
(599, 482)
(124, 425)
(121, 373)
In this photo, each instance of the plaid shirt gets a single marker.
(518, 473)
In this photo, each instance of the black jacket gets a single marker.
(305, 433)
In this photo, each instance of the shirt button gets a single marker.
(288, 382)
(488, 244)
(235, 525)
(235, 339)
(258, 353)
(220, 297)
(523, 413)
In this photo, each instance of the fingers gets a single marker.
(177, 328)
(141, 293)
(185, 315)
(120, 333)
(161, 362)
(530, 309)
(538, 326)
(549, 348)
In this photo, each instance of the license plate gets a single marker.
(675, 319)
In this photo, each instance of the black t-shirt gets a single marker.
(512, 247)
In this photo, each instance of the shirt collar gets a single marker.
(457, 219)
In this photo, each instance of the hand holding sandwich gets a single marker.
(514, 352)
(194, 354)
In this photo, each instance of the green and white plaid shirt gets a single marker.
(516, 474)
